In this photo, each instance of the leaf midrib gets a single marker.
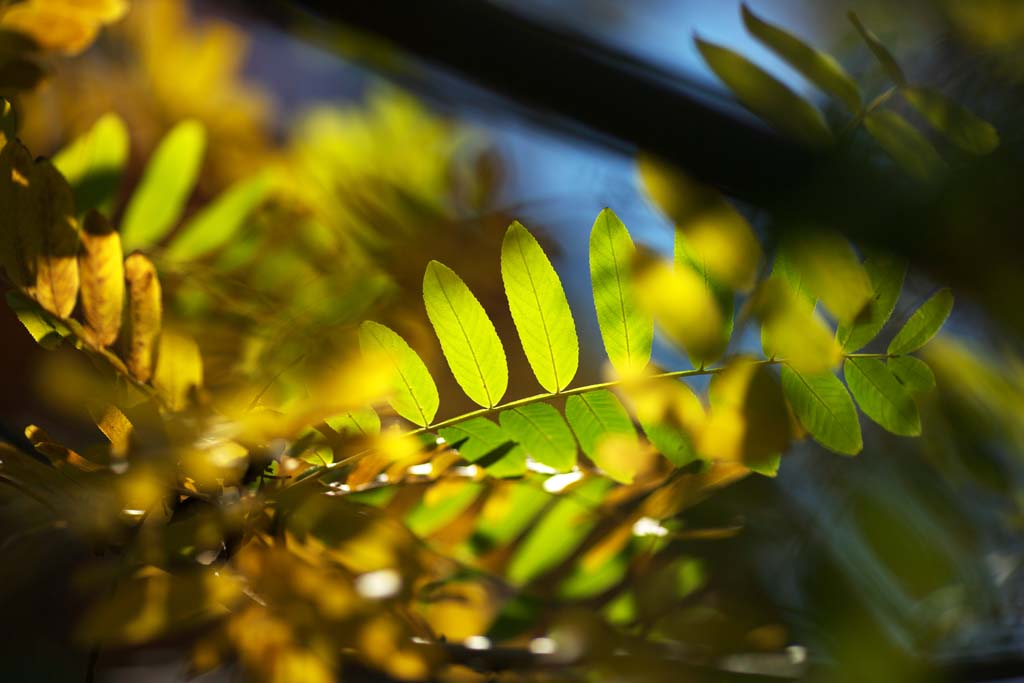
(465, 336)
(540, 312)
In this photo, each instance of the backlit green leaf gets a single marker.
(923, 324)
(219, 221)
(965, 130)
(480, 441)
(468, 338)
(881, 53)
(44, 328)
(414, 395)
(825, 409)
(901, 141)
(881, 396)
(542, 432)
(886, 274)
(594, 415)
(766, 96)
(359, 422)
(93, 163)
(626, 330)
(817, 67)
(166, 184)
(539, 309)
(671, 441)
(432, 513)
(914, 373)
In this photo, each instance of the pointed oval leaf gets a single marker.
(179, 369)
(145, 313)
(881, 53)
(913, 373)
(468, 338)
(52, 247)
(886, 274)
(907, 147)
(46, 330)
(166, 184)
(94, 162)
(218, 222)
(923, 324)
(542, 432)
(817, 67)
(626, 330)
(539, 309)
(766, 96)
(965, 130)
(825, 409)
(597, 417)
(101, 269)
(359, 422)
(881, 396)
(484, 443)
(415, 395)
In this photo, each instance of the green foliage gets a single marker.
(923, 324)
(480, 440)
(93, 163)
(542, 432)
(825, 409)
(414, 395)
(886, 275)
(882, 54)
(220, 221)
(596, 417)
(914, 373)
(911, 150)
(967, 131)
(881, 396)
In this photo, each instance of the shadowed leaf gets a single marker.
(94, 162)
(881, 396)
(542, 433)
(965, 130)
(881, 53)
(886, 274)
(101, 268)
(825, 409)
(924, 324)
(901, 141)
(482, 442)
(145, 311)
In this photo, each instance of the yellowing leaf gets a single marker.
(179, 369)
(65, 25)
(101, 268)
(415, 394)
(51, 247)
(671, 415)
(93, 163)
(540, 310)
(791, 330)
(145, 312)
(832, 273)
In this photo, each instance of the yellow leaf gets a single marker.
(832, 272)
(791, 329)
(65, 25)
(145, 312)
(101, 268)
(54, 242)
(179, 369)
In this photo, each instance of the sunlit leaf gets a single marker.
(44, 328)
(817, 67)
(484, 443)
(831, 273)
(791, 330)
(53, 242)
(596, 416)
(145, 313)
(359, 422)
(964, 129)
(913, 373)
(626, 330)
(415, 394)
(766, 96)
(539, 309)
(441, 504)
(218, 222)
(686, 257)
(881, 53)
(901, 141)
(101, 269)
(886, 274)
(179, 369)
(159, 200)
(923, 324)
(825, 409)
(881, 396)
(93, 163)
(68, 26)
(543, 434)
(468, 338)
(671, 415)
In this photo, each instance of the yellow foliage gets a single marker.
(791, 330)
(68, 26)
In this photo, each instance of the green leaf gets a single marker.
(923, 324)
(831, 272)
(671, 441)
(595, 414)
(626, 330)
(881, 396)
(468, 338)
(965, 130)
(93, 163)
(430, 516)
(219, 221)
(766, 96)
(539, 309)
(542, 432)
(886, 274)
(901, 141)
(825, 409)
(166, 184)
(817, 67)
(415, 395)
(44, 328)
(359, 422)
(914, 373)
(480, 441)
(881, 53)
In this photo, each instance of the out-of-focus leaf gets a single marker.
(766, 96)
(166, 184)
(93, 163)
(881, 396)
(914, 373)
(671, 415)
(101, 269)
(685, 257)
(45, 329)
(415, 394)
(901, 141)
(17, 220)
(540, 310)
(817, 67)
(881, 53)
(832, 273)
(215, 225)
(718, 240)
(65, 25)
(923, 324)
(19, 73)
(748, 421)
(179, 369)
(509, 510)
(441, 504)
(145, 312)
(468, 338)
(964, 129)
(542, 433)
(791, 330)
(627, 331)
(604, 430)
(886, 274)
(358, 422)
(482, 442)
(825, 409)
